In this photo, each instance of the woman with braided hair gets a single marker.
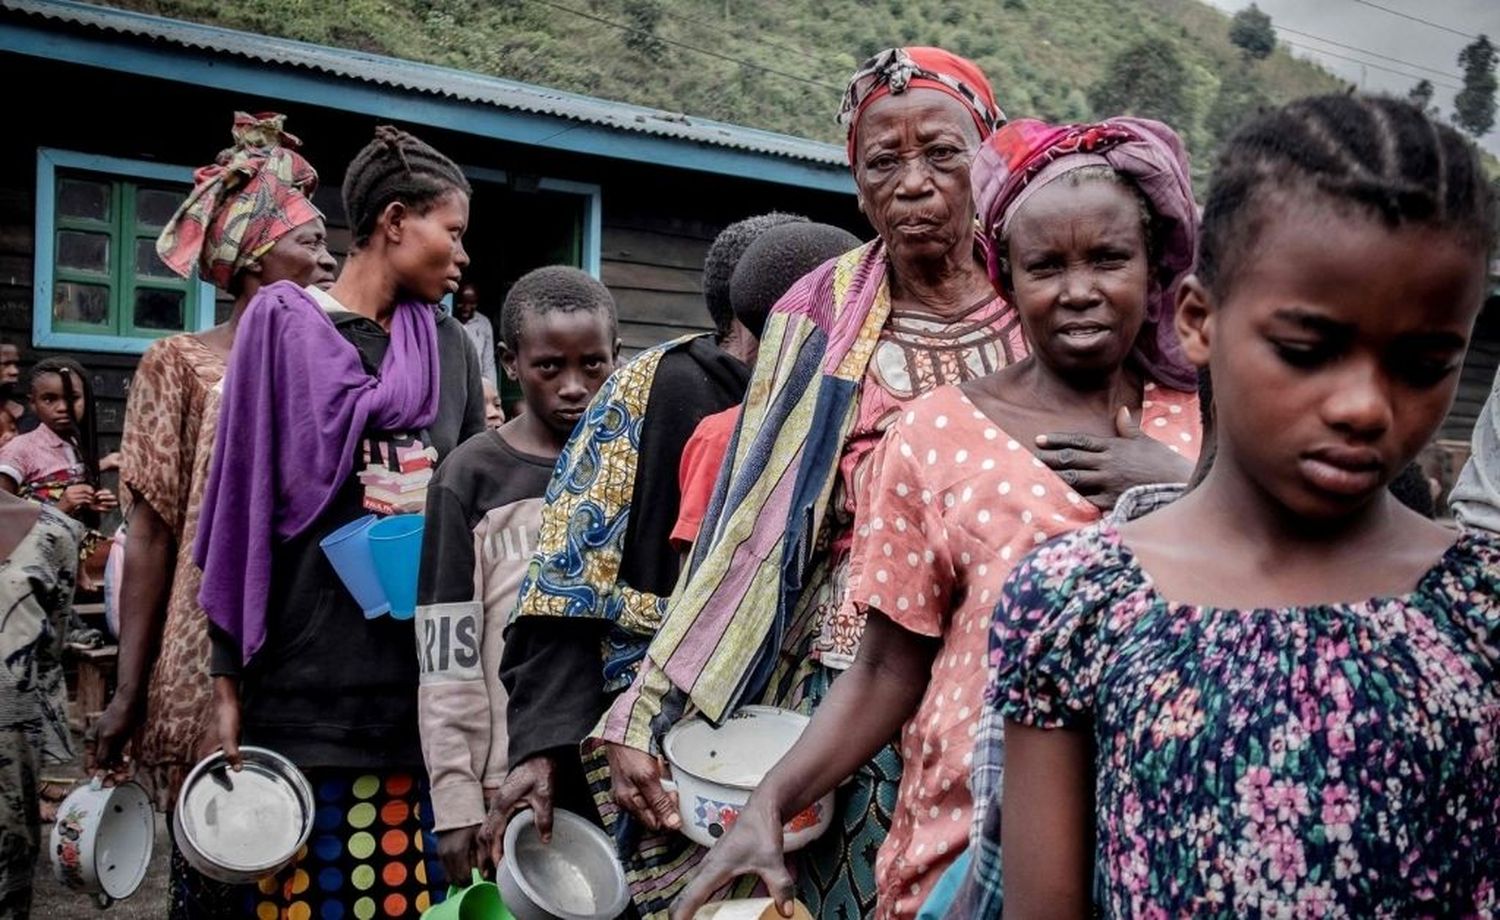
(330, 394)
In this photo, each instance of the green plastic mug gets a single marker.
(480, 900)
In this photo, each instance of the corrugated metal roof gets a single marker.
(437, 81)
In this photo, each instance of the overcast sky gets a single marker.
(1381, 36)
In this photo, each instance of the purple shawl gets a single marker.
(1026, 154)
(296, 402)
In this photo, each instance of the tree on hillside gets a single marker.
(643, 16)
(1421, 95)
(1239, 99)
(1147, 79)
(1250, 30)
(1474, 106)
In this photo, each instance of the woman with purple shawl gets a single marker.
(329, 395)
(1090, 228)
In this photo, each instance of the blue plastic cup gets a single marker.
(348, 550)
(396, 547)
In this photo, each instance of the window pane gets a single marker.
(147, 263)
(158, 309)
(80, 303)
(81, 198)
(88, 252)
(155, 206)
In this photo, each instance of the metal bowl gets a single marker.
(575, 877)
(238, 827)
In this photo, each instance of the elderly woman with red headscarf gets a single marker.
(760, 618)
(249, 222)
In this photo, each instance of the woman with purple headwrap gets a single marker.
(1091, 228)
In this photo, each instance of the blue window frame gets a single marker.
(97, 282)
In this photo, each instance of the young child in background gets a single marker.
(494, 416)
(12, 406)
(559, 342)
(1292, 711)
(56, 463)
(770, 266)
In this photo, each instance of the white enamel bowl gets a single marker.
(714, 770)
(102, 840)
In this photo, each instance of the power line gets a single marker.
(746, 35)
(1383, 57)
(1345, 57)
(806, 81)
(1425, 22)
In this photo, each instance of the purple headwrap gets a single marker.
(1025, 155)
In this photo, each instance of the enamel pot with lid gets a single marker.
(714, 770)
(238, 827)
(102, 840)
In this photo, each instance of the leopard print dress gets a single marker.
(170, 421)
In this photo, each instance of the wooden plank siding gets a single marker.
(657, 223)
(1480, 367)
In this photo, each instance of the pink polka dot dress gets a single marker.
(954, 504)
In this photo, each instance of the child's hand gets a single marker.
(76, 497)
(460, 853)
(110, 461)
(105, 501)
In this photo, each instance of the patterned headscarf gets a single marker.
(896, 70)
(1026, 155)
(255, 193)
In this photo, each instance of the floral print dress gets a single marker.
(1336, 760)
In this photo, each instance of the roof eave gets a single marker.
(202, 66)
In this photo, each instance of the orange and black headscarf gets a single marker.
(896, 70)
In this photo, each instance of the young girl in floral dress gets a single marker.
(1277, 695)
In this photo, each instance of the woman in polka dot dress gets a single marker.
(958, 495)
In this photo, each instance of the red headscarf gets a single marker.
(255, 193)
(897, 70)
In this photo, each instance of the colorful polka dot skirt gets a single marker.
(371, 854)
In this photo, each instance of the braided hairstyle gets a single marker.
(75, 382)
(724, 254)
(555, 287)
(396, 166)
(1377, 156)
(777, 260)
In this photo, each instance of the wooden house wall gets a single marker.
(656, 223)
(1478, 377)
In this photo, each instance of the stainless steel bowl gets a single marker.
(575, 877)
(238, 827)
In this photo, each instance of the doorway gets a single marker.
(519, 223)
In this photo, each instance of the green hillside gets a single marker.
(715, 58)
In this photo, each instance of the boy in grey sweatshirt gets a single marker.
(559, 342)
